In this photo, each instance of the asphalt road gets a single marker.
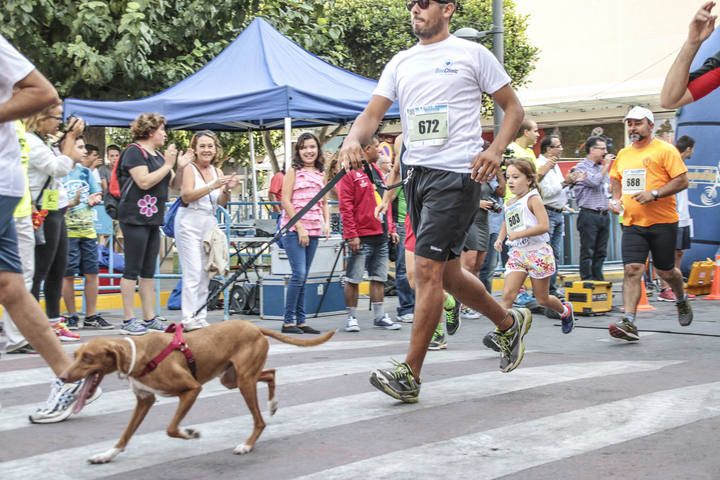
(581, 406)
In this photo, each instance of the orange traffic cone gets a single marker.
(715, 290)
(644, 305)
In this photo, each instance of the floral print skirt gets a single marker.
(538, 262)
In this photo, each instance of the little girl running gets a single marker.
(526, 227)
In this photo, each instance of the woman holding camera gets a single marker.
(47, 164)
(203, 188)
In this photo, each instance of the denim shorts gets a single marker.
(9, 256)
(82, 257)
(372, 257)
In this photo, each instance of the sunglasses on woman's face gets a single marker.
(424, 4)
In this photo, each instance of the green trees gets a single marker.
(116, 49)
(120, 49)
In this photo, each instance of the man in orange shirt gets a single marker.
(645, 178)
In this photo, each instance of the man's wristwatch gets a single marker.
(655, 194)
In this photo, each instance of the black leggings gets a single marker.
(50, 262)
(142, 244)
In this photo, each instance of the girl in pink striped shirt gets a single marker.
(302, 182)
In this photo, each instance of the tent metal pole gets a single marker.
(256, 198)
(288, 143)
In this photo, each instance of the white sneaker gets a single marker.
(59, 404)
(469, 314)
(194, 324)
(352, 325)
(386, 323)
(407, 318)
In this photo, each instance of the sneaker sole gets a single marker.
(524, 329)
(64, 415)
(660, 299)
(125, 332)
(352, 329)
(68, 339)
(434, 348)
(390, 327)
(619, 333)
(98, 327)
(375, 382)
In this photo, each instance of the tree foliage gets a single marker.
(120, 49)
(375, 30)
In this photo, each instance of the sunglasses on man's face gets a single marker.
(424, 4)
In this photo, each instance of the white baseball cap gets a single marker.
(638, 113)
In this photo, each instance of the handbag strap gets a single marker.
(42, 190)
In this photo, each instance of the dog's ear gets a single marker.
(115, 352)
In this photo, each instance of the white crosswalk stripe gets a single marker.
(513, 448)
(43, 375)
(123, 400)
(153, 449)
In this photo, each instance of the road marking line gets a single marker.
(156, 448)
(15, 417)
(513, 448)
(43, 375)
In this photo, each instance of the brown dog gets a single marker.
(234, 350)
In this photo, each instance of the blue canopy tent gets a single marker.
(257, 82)
(261, 81)
(701, 121)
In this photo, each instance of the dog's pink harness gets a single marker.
(178, 343)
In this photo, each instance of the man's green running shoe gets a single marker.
(512, 341)
(491, 340)
(438, 342)
(398, 382)
(624, 329)
(452, 315)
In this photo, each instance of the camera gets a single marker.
(496, 207)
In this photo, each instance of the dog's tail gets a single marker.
(296, 341)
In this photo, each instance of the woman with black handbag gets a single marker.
(47, 165)
(145, 176)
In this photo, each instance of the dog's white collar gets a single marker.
(133, 357)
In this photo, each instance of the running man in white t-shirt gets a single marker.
(24, 92)
(439, 84)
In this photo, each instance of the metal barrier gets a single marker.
(237, 217)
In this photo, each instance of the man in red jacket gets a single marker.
(368, 240)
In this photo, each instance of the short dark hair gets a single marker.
(113, 147)
(684, 142)
(526, 124)
(375, 137)
(546, 142)
(89, 148)
(592, 141)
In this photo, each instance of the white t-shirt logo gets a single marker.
(447, 68)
